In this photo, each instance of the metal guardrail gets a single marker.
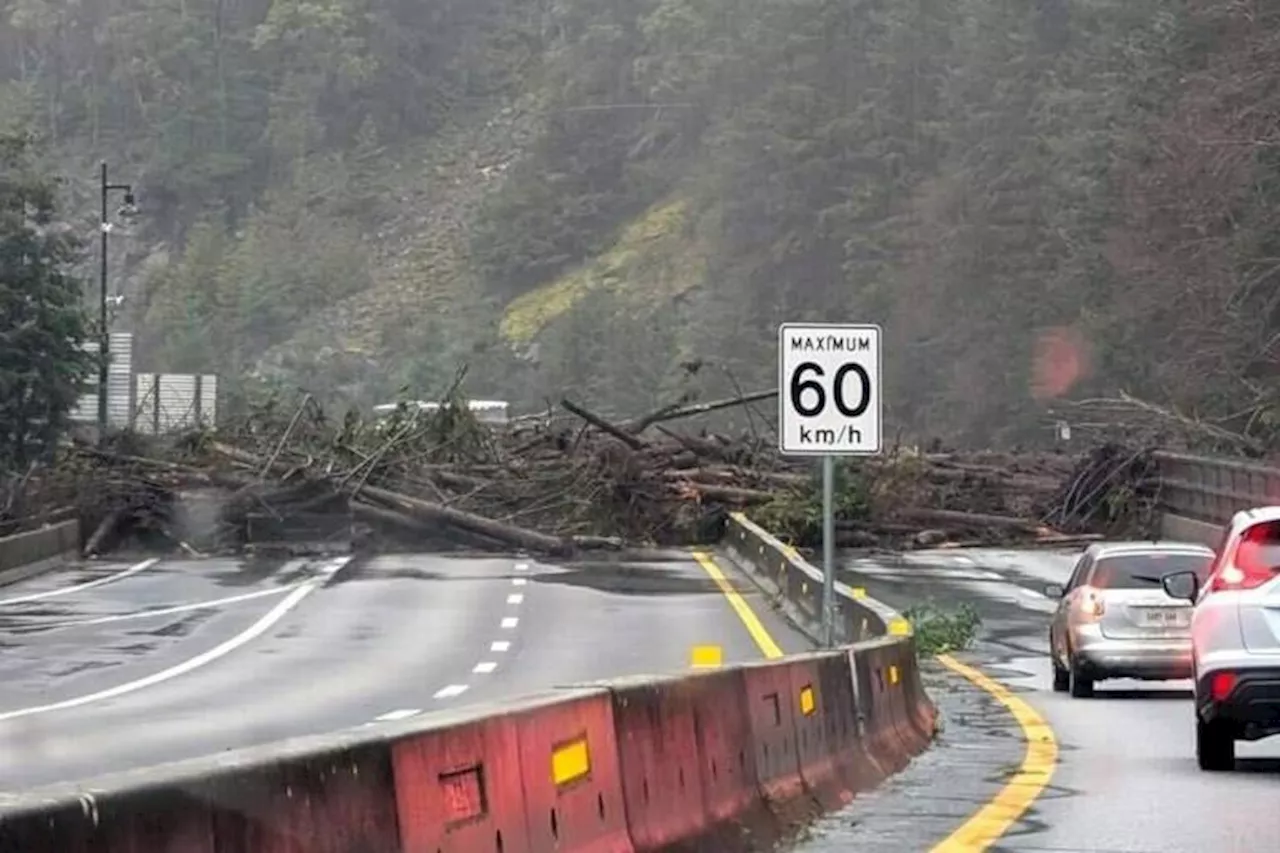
(1212, 490)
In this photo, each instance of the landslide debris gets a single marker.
(565, 480)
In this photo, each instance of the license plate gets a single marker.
(1165, 617)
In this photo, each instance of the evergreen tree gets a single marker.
(43, 365)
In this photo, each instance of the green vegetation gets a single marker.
(796, 516)
(360, 195)
(43, 367)
(940, 630)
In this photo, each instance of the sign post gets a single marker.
(829, 405)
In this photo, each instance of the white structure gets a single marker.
(119, 384)
(166, 402)
(148, 402)
(486, 411)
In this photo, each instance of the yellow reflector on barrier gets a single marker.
(706, 656)
(893, 674)
(570, 761)
(807, 704)
(900, 627)
(859, 592)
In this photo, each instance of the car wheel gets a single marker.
(1080, 686)
(1215, 746)
(1061, 677)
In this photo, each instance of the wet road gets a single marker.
(1126, 780)
(111, 666)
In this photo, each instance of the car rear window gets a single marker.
(1143, 571)
(1260, 546)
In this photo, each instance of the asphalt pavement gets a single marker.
(108, 666)
(1126, 779)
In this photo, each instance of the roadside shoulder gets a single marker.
(978, 750)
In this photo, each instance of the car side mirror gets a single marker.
(1183, 585)
(1054, 590)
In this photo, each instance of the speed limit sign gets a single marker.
(829, 399)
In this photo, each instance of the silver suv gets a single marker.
(1115, 620)
(1235, 637)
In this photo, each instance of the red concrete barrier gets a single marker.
(731, 790)
(658, 748)
(771, 712)
(572, 777)
(316, 797)
(542, 777)
(889, 742)
(458, 788)
(920, 709)
(821, 687)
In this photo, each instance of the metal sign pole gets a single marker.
(829, 405)
(828, 551)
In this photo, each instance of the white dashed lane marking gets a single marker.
(508, 623)
(402, 714)
(451, 691)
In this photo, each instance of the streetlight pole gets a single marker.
(104, 345)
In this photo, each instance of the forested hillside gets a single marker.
(1059, 198)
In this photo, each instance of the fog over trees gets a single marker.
(1049, 200)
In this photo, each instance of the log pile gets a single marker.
(568, 480)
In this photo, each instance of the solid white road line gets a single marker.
(402, 714)
(499, 646)
(451, 691)
(485, 667)
(510, 622)
(80, 587)
(169, 611)
(254, 631)
(515, 598)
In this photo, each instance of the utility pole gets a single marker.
(104, 341)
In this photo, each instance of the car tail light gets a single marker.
(1239, 577)
(1091, 604)
(1221, 684)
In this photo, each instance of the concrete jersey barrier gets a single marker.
(796, 586)
(25, 554)
(1198, 495)
(703, 761)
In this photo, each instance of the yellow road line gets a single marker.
(749, 619)
(1018, 795)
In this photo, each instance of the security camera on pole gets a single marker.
(829, 405)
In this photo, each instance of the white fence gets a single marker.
(148, 402)
(119, 385)
(175, 401)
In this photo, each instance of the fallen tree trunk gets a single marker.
(104, 529)
(509, 533)
(947, 517)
